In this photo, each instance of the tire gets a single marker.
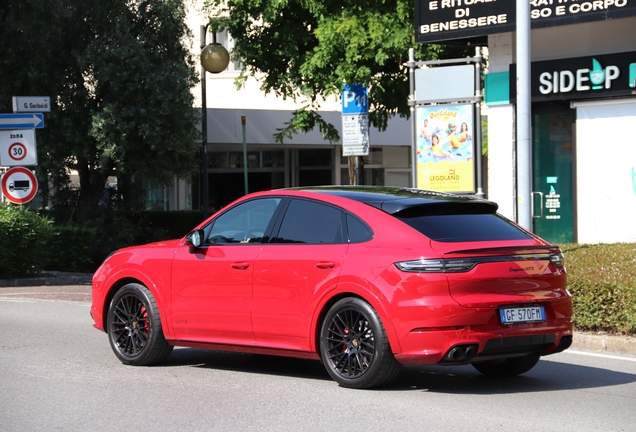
(507, 367)
(134, 328)
(354, 347)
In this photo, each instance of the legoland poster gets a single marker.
(444, 158)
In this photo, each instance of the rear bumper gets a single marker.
(473, 344)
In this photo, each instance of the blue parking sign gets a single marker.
(355, 99)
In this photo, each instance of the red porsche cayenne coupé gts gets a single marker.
(363, 278)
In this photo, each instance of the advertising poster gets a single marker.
(444, 153)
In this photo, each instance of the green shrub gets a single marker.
(70, 248)
(602, 281)
(23, 235)
(112, 230)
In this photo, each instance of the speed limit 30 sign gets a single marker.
(18, 148)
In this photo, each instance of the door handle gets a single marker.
(240, 265)
(540, 194)
(326, 265)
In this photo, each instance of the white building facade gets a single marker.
(305, 160)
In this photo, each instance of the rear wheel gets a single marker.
(134, 328)
(507, 367)
(354, 346)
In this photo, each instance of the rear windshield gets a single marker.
(465, 227)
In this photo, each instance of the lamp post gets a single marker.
(214, 59)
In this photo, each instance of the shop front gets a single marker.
(583, 151)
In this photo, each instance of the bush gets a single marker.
(602, 281)
(113, 230)
(22, 237)
(70, 248)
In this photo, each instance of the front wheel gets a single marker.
(354, 346)
(134, 328)
(507, 367)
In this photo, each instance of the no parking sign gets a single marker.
(18, 148)
(19, 185)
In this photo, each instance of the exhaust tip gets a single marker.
(460, 353)
(470, 352)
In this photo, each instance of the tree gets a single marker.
(119, 76)
(308, 49)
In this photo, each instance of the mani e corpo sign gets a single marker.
(440, 20)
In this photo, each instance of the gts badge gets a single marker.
(530, 267)
(182, 322)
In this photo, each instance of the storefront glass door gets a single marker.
(552, 176)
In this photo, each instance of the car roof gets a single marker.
(394, 200)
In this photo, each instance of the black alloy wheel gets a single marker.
(134, 327)
(354, 346)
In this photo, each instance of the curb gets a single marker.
(604, 343)
(53, 278)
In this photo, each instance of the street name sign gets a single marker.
(18, 147)
(37, 104)
(21, 121)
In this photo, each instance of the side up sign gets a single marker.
(581, 78)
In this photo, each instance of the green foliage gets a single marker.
(112, 230)
(69, 249)
(602, 281)
(23, 237)
(308, 49)
(119, 76)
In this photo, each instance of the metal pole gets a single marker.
(204, 133)
(244, 154)
(524, 124)
(477, 131)
(411, 66)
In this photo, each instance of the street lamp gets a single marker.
(214, 59)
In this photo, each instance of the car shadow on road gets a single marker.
(546, 376)
(248, 363)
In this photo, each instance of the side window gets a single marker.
(244, 223)
(358, 231)
(312, 223)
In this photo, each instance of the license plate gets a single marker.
(519, 315)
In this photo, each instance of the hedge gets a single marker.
(31, 243)
(602, 281)
(22, 237)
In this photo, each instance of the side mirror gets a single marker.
(195, 239)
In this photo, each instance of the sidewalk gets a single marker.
(50, 278)
(76, 287)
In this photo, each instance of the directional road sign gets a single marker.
(19, 185)
(21, 121)
(18, 148)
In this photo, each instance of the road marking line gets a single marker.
(607, 356)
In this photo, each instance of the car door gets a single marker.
(301, 261)
(212, 287)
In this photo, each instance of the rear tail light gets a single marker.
(558, 260)
(458, 265)
(436, 265)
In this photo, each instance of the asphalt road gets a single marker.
(58, 373)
